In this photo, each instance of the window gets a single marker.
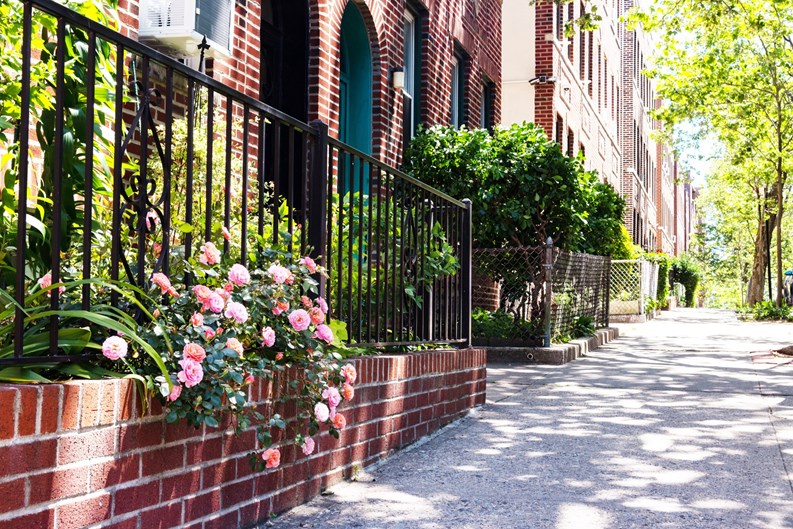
(458, 92)
(570, 142)
(486, 120)
(558, 132)
(412, 66)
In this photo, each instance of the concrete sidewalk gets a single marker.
(671, 426)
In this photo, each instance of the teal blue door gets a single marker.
(355, 85)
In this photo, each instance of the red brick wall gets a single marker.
(447, 23)
(78, 454)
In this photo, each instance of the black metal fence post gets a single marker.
(548, 265)
(608, 290)
(466, 255)
(318, 198)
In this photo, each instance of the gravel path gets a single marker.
(674, 425)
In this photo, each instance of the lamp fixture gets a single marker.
(542, 79)
(398, 78)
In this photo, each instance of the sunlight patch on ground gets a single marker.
(577, 515)
(656, 505)
(717, 503)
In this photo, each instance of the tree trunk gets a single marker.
(757, 280)
(780, 213)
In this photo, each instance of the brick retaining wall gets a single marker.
(80, 455)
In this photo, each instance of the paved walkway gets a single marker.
(671, 426)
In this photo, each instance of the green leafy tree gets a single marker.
(727, 64)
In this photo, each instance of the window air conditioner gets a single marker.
(182, 24)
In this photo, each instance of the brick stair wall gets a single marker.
(81, 455)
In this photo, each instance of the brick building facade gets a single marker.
(291, 54)
(569, 83)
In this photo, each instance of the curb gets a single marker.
(557, 354)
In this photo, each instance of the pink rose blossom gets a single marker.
(209, 333)
(191, 374)
(323, 305)
(156, 313)
(210, 255)
(268, 336)
(223, 293)
(332, 413)
(349, 373)
(202, 294)
(216, 303)
(162, 281)
(317, 316)
(279, 273)
(156, 249)
(239, 275)
(280, 307)
(237, 312)
(324, 333)
(176, 390)
(332, 396)
(114, 348)
(194, 352)
(272, 457)
(226, 233)
(235, 345)
(309, 263)
(299, 319)
(339, 421)
(249, 379)
(321, 411)
(229, 287)
(308, 446)
(306, 301)
(279, 356)
(348, 391)
(46, 282)
(197, 319)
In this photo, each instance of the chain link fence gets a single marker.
(510, 295)
(633, 282)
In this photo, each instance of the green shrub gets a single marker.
(664, 262)
(583, 326)
(686, 272)
(767, 310)
(500, 324)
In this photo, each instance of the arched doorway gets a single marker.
(284, 56)
(355, 81)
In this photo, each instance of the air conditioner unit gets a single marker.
(181, 25)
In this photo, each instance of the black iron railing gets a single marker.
(140, 160)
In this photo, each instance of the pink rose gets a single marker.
(46, 282)
(279, 356)
(349, 373)
(323, 305)
(321, 412)
(324, 333)
(332, 396)
(237, 312)
(194, 352)
(279, 273)
(332, 413)
(309, 263)
(114, 348)
(202, 294)
(176, 390)
(229, 287)
(339, 421)
(272, 457)
(210, 255)
(280, 307)
(317, 316)
(235, 345)
(299, 319)
(191, 374)
(239, 275)
(226, 233)
(156, 249)
(348, 391)
(197, 319)
(249, 379)
(216, 303)
(162, 281)
(223, 293)
(268, 335)
(156, 313)
(308, 446)
(209, 334)
(306, 301)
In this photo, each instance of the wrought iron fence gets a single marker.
(529, 296)
(633, 282)
(127, 160)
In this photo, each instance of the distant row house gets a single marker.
(588, 90)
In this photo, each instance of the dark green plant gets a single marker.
(767, 310)
(664, 263)
(686, 272)
(500, 324)
(583, 326)
(602, 234)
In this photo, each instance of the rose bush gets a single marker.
(233, 325)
